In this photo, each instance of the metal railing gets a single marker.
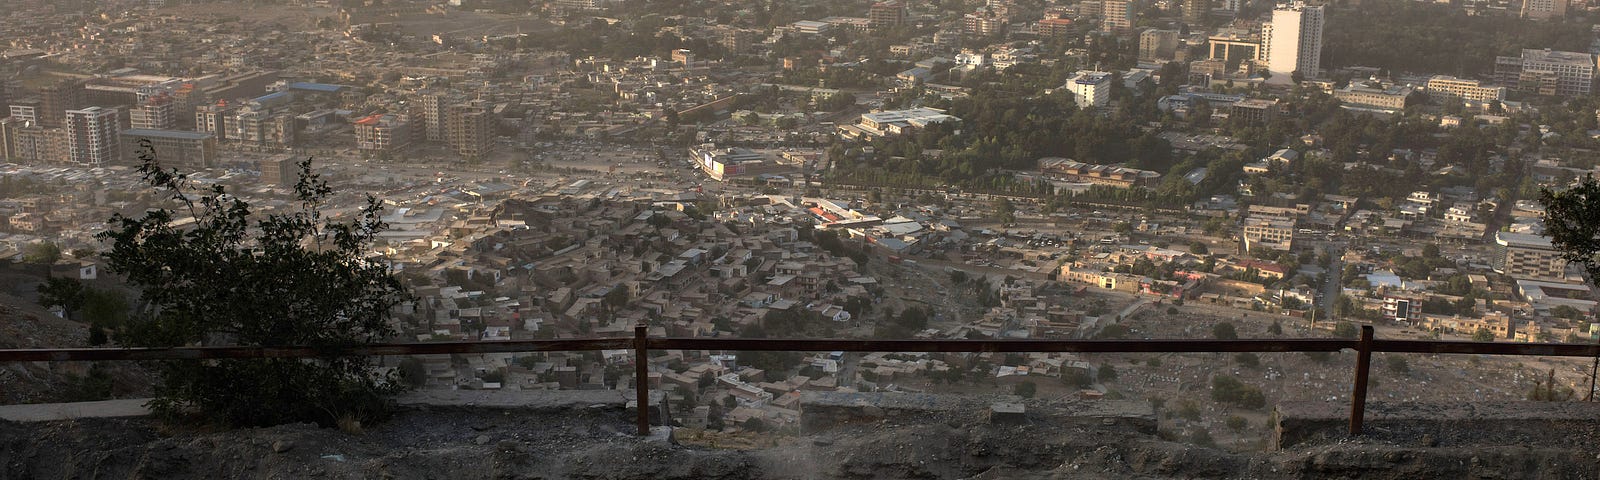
(642, 343)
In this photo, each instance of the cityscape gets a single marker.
(833, 169)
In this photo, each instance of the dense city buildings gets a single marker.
(581, 167)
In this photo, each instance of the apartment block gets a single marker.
(1547, 72)
(172, 148)
(1116, 16)
(1527, 256)
(92, 136)
(1445, 87)
(383, 133)
(1158, 45)
(469, 130)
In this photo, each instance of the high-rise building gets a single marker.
(1544, 9)
(1292, 42)
(173, 148)
(26, 110)
(886, 15)
(213, 119)
(1526, 256)
(56, 98)
(1195, 11)
(1116, 16)
(469, 130)
(433, 111)
(92, 136)
(1547, 72)
(1158, 45)
(158, 112)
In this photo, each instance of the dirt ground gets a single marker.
(593, 443)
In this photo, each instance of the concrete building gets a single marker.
(29, 142)
(56, 98)
(1057, 168)
(213, 119)
(1254, 111)
(1234, 45)
(1389, 98)
(25, 112)
(1195, 11)
(469, 130)
(382, 133)
(158, 112)
(92, 136)
(1053, 27)
(1158, 45)
(1527, 256)
(1445, 88)
(1267, 232)
(433, 115)
(1116, 16)
(1547, 72)
(1544, 9)
(173, 148)
(894, 122)
(1292, 42)
(1090, 89)
(982, 24)
(279, 170)
(886, 15)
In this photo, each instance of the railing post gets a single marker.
(641, 380)
(1358, 397)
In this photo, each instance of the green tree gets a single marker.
(67, 293)
(1224, 331)
(42, 253)
(234, 278)
(1108, 373)
(1346, 330)
(1483, 335)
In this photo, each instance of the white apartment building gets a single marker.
(92, 136)
(1292, 42)
(1091, 89)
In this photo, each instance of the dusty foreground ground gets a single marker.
(594, 443)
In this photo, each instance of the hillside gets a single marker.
(594, 442)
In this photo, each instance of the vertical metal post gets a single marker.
(641, 378)
(1358, 397)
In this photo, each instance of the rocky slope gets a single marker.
(595, 443)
